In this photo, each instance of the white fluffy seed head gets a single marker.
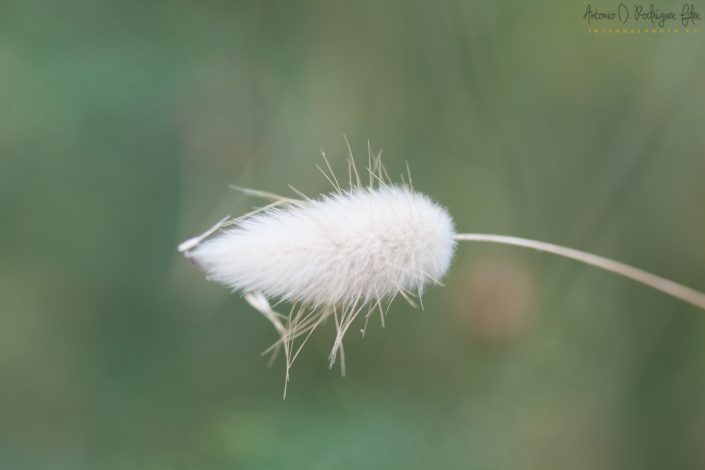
(344, 249)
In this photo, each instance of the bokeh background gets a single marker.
(123, 122)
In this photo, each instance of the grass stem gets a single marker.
(667, 286)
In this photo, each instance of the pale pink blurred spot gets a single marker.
(494, 299)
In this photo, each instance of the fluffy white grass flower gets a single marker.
(361, 246)
(350, 253)
(345, 254)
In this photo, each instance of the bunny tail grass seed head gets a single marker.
(360, 246)
(346, 253)
(349, 253)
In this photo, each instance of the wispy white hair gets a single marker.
(359, 246)
(339, 255)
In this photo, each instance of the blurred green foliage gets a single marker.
(123, 123)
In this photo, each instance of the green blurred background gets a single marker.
(123, 122)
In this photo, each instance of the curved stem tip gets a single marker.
(674, 289)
